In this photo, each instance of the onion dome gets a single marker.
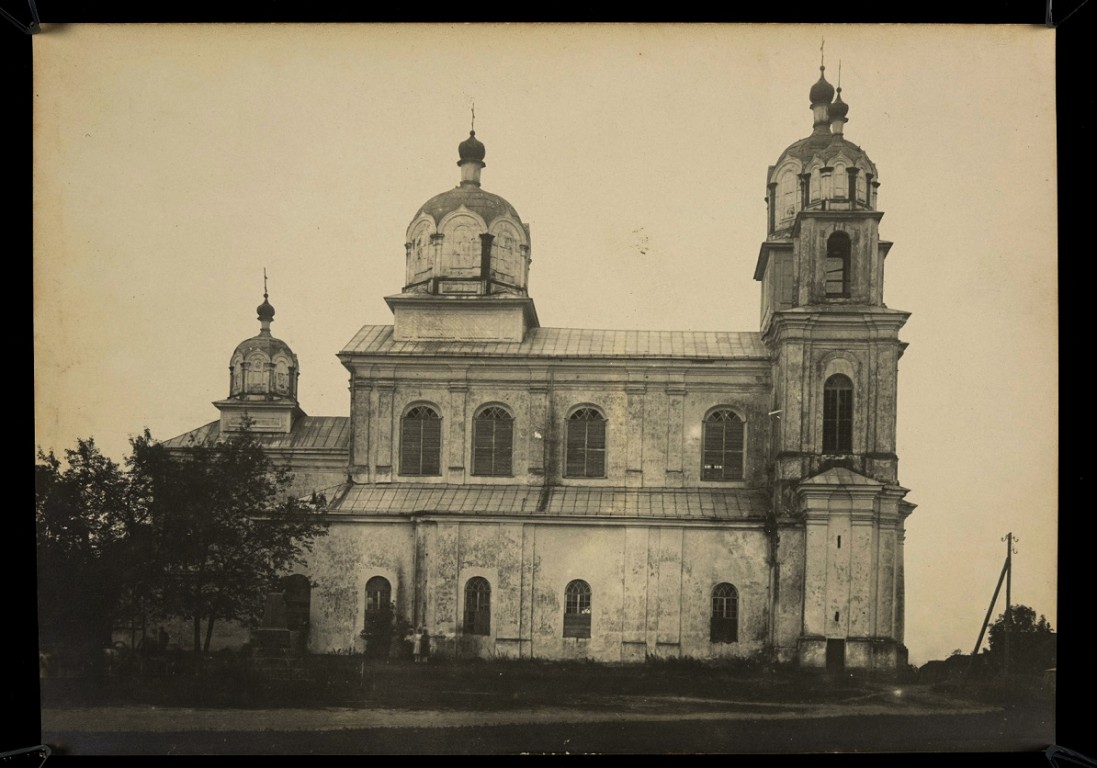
(822, 172)
(486, 205)
(266, 313)
(826, 143)
(471, 149)
(822, 92)
(838, 109)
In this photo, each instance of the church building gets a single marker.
(560, 493)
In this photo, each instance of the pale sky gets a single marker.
(174, 163)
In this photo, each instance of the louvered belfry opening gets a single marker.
(477, 606)
(577, 609)
(492, 443)
(586, 444)
(838, 255)
(725, 614)
(421, 442)
(838, 414)
(722, 457)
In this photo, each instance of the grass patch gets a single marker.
(226, 680)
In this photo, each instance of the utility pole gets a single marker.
(1009, 599)
(1007, 577)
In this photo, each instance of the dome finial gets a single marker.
(471, 153)
(821, 95)
(472, 125)
(838, 109)
(265, 310)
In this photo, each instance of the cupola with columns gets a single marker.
(823, 171)
(263, 373)
(468, 257)
(822, 245)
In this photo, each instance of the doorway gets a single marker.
(836, 655)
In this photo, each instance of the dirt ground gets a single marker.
(495, 708)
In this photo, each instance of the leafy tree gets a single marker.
(224, 527)
(92, 555)
(1031, 640)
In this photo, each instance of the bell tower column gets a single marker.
(836, 348)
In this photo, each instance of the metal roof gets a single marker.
(562, 502)
(324, 432)
(571, 342)
(487, 204)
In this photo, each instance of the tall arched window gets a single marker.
(586, 444)
(725, 614)
(492, 442)
(421, 442)
(838, 414)
(722, 449)
(838, 254)
(378, 594)
(477, 606)
(577, 609)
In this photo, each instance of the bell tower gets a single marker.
(836, 349)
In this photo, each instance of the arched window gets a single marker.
(586, 444)
(258, 378)
(297, 593)
(722, 449)
(787, 192)
(577, 609)
(477, 606)
(838, 414)
(281, 375)
(421, 442)
(492, 442)
(838, 250)
(378, 594)
(725, 614)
